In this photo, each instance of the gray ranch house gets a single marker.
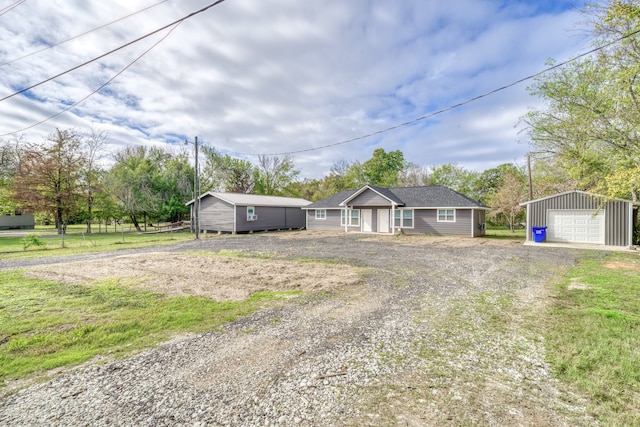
(581, 217)
(435, 210)
(242, 213)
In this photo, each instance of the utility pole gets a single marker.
(529, 172)
(196, 183)
(196, 192)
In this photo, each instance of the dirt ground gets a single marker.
(222, 278)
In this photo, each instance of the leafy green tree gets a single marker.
(455, 177)
(273, 174)
(510, 190)
(591, 120)
(9, 160)
(384, 168)
(48, 178)
(135, 182)
(226, 173)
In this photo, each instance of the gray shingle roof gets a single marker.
(256, 200)
(331, 201)
(435, 196)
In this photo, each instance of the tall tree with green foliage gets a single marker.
(48, 178)
(9, 160)
(591, 120)
(454, 177)
(384, 168)
(273, 174)
(226, 173)
(134, 181)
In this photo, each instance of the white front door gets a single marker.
(578, 226)
(367, 217)
(383, 220)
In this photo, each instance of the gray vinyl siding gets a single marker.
(479, 223)
(616, 214)
(215, 215)
(332, 222)
(269, 218)
(369, 198)
(425, 221)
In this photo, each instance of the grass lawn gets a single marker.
(48, 243)
(593, 338)
(44, 325)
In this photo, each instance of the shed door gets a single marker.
(576, 226)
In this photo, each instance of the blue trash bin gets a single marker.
(539, 234)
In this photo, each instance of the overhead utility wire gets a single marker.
(80, 35)
(114, 50)
(11, 7)
(443, 110)
(99, 88)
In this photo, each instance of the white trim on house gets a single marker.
(402, 218)
(446, 215)
(362, 190)
(323, 216)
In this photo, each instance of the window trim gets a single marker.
(323, 216)
(252, 214)
(446, 215)
(343, 214)
(398, 215)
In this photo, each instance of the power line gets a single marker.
(449, 108)
(114, 50)
(99, 88)
(80, 35)
(11, 7)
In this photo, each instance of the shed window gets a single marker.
(446, 215)
(352, 218)
(321, 214)
(251, 213)
(403, 218)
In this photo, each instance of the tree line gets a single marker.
(63, 182)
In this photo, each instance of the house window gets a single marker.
(251, 213)
(446, 215)
(321, 214)
(403, 218)
(353, 217)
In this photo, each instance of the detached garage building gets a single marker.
(581, 217)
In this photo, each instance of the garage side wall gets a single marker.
(616, 214)
(215, 215)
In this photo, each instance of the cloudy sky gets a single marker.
(255, 77)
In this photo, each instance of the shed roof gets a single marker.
(435, 196)
(239, 199)
(586, 193)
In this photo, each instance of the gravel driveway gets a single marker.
(442, 332)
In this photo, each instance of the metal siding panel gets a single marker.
(616, 214)
(215, 215)
(294, 218)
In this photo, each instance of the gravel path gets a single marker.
(414, 345)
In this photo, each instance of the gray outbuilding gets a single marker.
(582, 217)
(242, 213)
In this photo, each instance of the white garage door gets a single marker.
(578, 226)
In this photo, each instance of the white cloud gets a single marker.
(267, 76)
